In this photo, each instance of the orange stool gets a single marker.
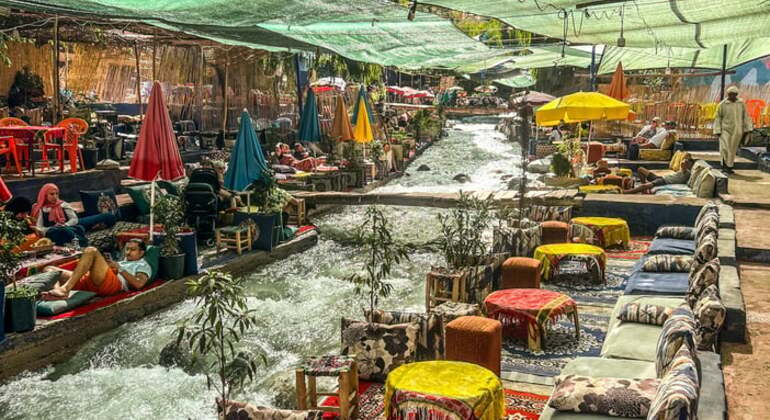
(475, 339)
(554, 232)
(520, 273)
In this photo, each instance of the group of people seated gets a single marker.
(299, 158)
(652, 135)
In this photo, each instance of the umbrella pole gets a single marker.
(152, 208)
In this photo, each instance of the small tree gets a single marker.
(216, 328)
(382, 253)
(169, 211)
(463, 230)
(12, 234)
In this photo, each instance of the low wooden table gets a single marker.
(527, 312)
(446, 389)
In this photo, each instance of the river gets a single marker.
(298, 301)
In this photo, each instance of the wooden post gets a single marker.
(138, 81)
(301, 390)
(56, 113)
(224, 93)
(154, 54)
(298, 82)
(724, 73)
(524, 112)
(592, 87)
(199, 88)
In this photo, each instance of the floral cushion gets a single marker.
(705, 276)
(379, 348)
(710, 315)
(545, 213)
(710, 207)
(446, 313)
(644, 314)
(614, 396)
(675, 232)
(668, 263)
(519, 242)
(428, 337)
(243, 411)
(678, 331)
(677, 396)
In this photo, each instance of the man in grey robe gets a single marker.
(731, 124)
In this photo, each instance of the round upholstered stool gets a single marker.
(475, 339)
(554, 232)
(520, 272)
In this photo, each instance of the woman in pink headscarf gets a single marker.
(55, 218)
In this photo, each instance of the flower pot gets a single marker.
(90, 158)
(20, 314)
(172, 267)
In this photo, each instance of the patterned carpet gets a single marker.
(519, 405)
(520, 364)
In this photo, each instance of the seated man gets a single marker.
(300, 152)
(649, 180)
(656, 141)
(103, 276)
(649, 130)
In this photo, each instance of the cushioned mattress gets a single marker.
(672, 246)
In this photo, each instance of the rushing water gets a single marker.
(299, 302)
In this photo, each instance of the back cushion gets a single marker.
(678, 331)
(710, 315)
(705, 276)
(705, 184)
(695, 172)
(677, 394)
(100, 201)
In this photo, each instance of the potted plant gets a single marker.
(20, 309)
(420, 123)
(169, 212)
(215, 329)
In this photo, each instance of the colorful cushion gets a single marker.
(516, 241)
(675, 232)
(710, 207)
(677, 395)
(676, 160)
(678, 331)
(705, 184)
(379, 348)
(668, 263)
(100, 201)
(428, 337)
(243, 411)
(708, 225)
(42, 282)
(705, 252)
(545, 213)
(644, 314)
(654, 154)
(703, 277)
(710, 315)
(141, 197)
(613, 396)
(55, 307)
(697, 169)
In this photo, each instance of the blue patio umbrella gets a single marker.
(309, 126)
(247, 163)
(362, 96)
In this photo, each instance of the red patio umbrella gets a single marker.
(156, 155)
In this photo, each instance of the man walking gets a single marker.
(731, 124)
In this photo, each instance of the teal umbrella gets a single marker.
(362, 95)
(247, 163)
(309, 126)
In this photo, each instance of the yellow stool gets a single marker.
(346, 371)
(234, 237)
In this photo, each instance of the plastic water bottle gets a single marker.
(76, 243)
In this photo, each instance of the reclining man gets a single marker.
(648, 180)
(103, 276)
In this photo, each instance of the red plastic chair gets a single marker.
(8, 149)
(21, 145)
(754, 108)
(75, 127)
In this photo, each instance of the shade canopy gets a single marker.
(618, 87)
(342, 130)
(581, 106)
(363, 131)
(309, 125)
(247, 162)
(363, 97)
(156, 155)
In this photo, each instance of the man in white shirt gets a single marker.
(656, 140)
(648, 131)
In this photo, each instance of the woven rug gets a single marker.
(520, 364)
(519, 405)
(638, 246)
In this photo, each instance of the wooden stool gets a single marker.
(296, 211)
(475, 339)
(554, 232)
(234, 237)
(520, 272)
(346, 371)
(436, 282)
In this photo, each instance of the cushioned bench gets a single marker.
(631, 340)
(653, 283)
(672, 246)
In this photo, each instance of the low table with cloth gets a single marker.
(443, 389)
(600, 189)
(605, 231)
(528, 312)
(550, 256)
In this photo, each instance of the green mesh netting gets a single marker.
(646, 23)
(373, 31)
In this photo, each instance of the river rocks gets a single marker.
(284, 391)
(179, 355)
(539, 166)
(423, 168)
(462, 178)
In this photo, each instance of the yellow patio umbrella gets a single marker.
(581, 106)
(363, 131)
(341, 129)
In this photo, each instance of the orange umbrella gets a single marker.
(341, 130)
(618, 88)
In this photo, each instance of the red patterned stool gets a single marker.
(475, 339)
(520, 272)
(554, 232)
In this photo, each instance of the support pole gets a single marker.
(199, 88)
(724, 73)
(298, 82)
(56, 113)
(225, 103)
(592, 88)
(524, 112)
(138, 81)
(154, 55)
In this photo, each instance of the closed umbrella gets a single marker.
(363, 131)
(363, 97)
(247, 163)
(618, 87)
(309, 126)
(533, 98)
(341, 129)
(156, 155)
